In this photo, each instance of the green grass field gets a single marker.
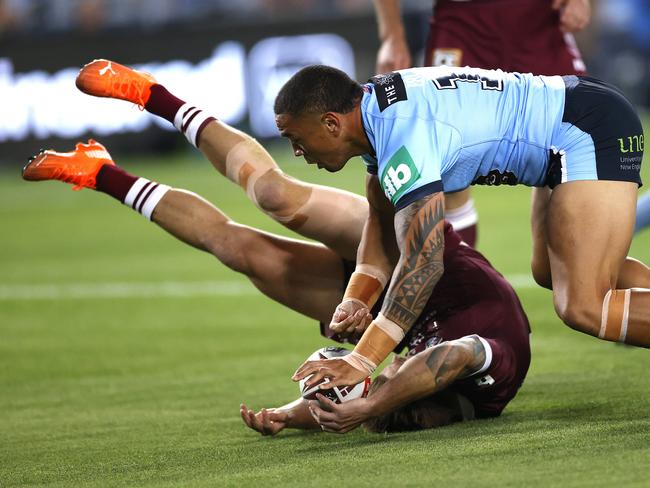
(124, 356)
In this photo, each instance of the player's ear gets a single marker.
(332, 122)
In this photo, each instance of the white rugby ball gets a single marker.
(338, 394)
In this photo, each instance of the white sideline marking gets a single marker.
(71, 291)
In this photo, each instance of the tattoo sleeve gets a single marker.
(419, 229)
(428, 372)
(454, 360)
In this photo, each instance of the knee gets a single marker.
(580, 313)
(273, 192)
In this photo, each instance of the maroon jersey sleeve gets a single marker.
(497, 382)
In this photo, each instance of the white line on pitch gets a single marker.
(125, 290)
(70, 291)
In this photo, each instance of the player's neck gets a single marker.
(356, 133)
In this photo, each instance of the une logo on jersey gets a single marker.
(399, 174)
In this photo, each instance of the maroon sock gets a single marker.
(469, 234)
(114, 181)
(162, 103)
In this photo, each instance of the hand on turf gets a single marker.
(393, 55)
(574, 14)
(350, 319)
(268, 421)
(337, 371)
(339, 418)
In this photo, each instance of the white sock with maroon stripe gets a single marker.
(191, 121)
(144, 195)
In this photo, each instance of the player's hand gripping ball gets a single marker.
(338, 394)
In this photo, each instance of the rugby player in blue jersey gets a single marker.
(424, 131)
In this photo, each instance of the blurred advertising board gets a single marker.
(234, 72)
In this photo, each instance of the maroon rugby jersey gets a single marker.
(513, 35)
(471, 298)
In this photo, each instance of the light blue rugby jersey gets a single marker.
(444, 128)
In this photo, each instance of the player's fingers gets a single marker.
(243, 411)
(340, 326)
(330, 380)
(319, 374)
(350, 329)
(253, 421)
(266, 423)
(325, 403)
(307, 368)
(321, 416)
(358, 321)
(249, 419)
(329, 425)
(367, 320)
(339, 315)
(314, 411)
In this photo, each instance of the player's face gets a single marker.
(316, 138)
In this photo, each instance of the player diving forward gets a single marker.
(471, 343)
(423, 131)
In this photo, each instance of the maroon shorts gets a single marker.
(513, 35)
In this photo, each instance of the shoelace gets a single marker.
(79, 181)
(123, 84)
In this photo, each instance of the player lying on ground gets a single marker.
(471, 341)
(425, 130)
(473, 299)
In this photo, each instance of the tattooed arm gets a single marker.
(376, 257)
(419, 229)
(419, 232)
(426, 373)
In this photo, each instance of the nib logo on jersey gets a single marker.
(399, 175)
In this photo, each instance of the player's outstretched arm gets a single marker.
(376, 258)
(424, 374)
(270, 421)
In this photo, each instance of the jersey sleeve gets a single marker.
(404, 139)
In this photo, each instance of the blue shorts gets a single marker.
(600, 138)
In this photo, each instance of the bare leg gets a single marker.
(633, 273)
(589, 226)
(306, 277)
(540, 264)
(328, 215)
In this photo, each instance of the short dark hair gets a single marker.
(426, 413)
(318, 89)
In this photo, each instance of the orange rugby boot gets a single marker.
(78, 167)
(104, 78)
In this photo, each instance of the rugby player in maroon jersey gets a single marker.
(467, 356)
